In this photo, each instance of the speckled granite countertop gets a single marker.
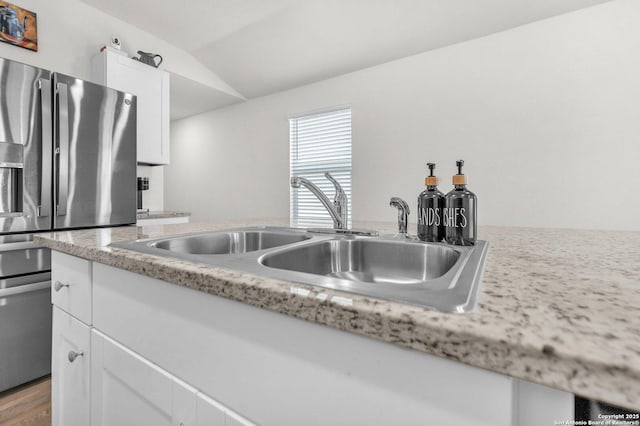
(556, 307)
(161, 214)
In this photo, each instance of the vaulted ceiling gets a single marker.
(264, 46)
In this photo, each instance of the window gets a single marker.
(319, 143)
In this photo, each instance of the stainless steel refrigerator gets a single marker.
(67, 160)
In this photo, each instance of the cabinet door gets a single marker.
(151, 86)
(70, 378)
(128, 390)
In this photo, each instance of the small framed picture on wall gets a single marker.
(18, 26)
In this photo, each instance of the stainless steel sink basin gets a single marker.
(368, 260)
(437, 276)
(228, 242)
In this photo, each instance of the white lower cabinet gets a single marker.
(161, 354)
(128, 390)
(70, 368)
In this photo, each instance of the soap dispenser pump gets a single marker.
(430, 205)
(460, 212)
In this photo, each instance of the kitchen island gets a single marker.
(558, 308)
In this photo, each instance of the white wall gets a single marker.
(545, 115)
(70, 33)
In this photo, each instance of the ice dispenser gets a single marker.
(11, 183)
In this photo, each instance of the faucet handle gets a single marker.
(337, 186)
(403, 214)
(340, 200)
(400, 204)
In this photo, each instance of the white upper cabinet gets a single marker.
(151, 86)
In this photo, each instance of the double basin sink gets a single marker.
(433, 275)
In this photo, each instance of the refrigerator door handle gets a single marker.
(44, 208)
(62, 149)
(26, 288)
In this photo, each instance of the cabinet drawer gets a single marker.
(70, 371)
(71, 285)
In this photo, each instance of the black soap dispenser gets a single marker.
(430, 205)
(460, 212)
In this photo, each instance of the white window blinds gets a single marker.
(319, 143)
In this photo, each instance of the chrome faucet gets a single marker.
(403, 214)
(337, 209)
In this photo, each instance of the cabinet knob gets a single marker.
(58, 285)
(73, 355)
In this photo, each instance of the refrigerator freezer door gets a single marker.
(94, 155)
(25, 162)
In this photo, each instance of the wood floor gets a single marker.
(27, 405)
